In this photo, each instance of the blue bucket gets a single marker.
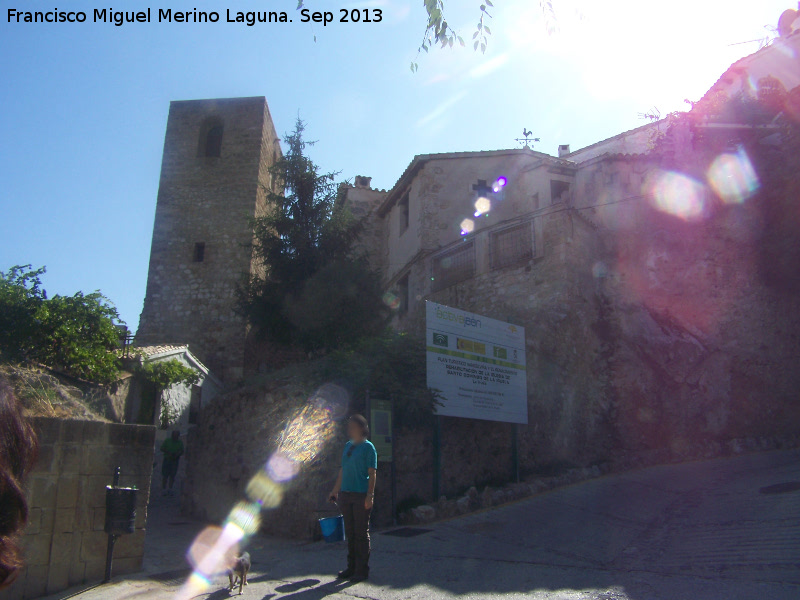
(332, 528)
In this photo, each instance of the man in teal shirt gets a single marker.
(355, 493)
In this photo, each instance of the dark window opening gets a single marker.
(482, 188)
(403, 206)
(512, 246)
(194, 404)
(454, 266)
(402, 295)
(199, 252)
(214, 141)
(558, 190)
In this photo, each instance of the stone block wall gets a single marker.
(64, 542)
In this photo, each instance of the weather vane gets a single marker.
(527, 140)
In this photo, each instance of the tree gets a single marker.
(316, 292)
(156, 377)
(21, 298)
(75, 334)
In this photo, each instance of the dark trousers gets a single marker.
(356, 530)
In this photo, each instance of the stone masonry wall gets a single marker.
(207, 200)
(64, 542)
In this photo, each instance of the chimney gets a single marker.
(363, 182)
(563, 150)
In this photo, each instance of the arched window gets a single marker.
(213, 141)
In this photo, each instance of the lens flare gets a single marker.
(263, 490)
(391, 300)
(281, 468)
(304, 436)
(210, 560)
(733, 177)
(501, 182)
(205, 543)
(246, 516)
(300, 442)
(331, 398)
(678, 195)
(482, 206)
(467, 226)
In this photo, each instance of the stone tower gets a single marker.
(214, 179)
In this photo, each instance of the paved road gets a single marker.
(726, 529)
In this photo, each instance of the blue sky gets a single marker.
(85, 105)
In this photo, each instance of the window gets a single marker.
(402, 294)
(456, 265)
(199, 252)
(557, 190)
(403, 208)
(194, 404)
(213, 145)
(512, 246)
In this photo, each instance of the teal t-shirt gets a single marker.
(357, 459)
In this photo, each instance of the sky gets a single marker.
(84, 106)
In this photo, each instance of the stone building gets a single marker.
(649, 269)
(655, 274)
(179, 405)
(214, 178)
(652, 271)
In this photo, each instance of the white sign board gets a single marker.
(478, 365)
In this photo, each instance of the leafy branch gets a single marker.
(438, 32)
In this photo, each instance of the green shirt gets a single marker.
(172, 449)
(357, 460)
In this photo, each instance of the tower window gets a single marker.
(213, 145)
(557, 190)
(199, 252)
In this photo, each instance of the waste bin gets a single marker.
(120, 510)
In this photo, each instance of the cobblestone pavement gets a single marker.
(725, 529)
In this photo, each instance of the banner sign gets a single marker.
(478, 365)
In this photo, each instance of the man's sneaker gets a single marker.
(346, 574)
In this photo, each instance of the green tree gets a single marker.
(316, 293)
(21, 299)
(74, 334)
(155, 378)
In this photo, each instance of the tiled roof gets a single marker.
(420, 159)
(149, 351)
(167, 349)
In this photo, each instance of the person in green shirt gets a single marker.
(172, 448)
(354, 491)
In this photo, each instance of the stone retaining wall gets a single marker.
(64, 542)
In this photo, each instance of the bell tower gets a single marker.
(214, 179)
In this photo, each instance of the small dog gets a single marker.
(237, 575)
